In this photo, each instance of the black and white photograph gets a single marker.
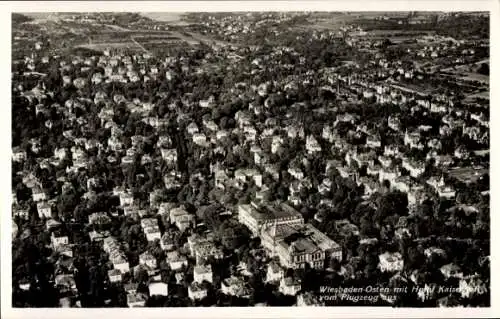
(249, 159)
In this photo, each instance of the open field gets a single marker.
(467, 174)
(476, 77)
(481, 95)
(111, 45)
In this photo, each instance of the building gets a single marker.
(289, 286)
(234, 286)
(167, 241)
(44, 210)
(451, 270)
(158, 289)
(203, 273)
(58, 240)
(114, 276)
(298, 245)
(176, 260)
(274, 273)
(312, 145)
(152, 233)
(126, 199)
(181, 218)
(256, 216)
(65, 283)
(390, 262)
(135, 300)
(415, 168)
(196, 291)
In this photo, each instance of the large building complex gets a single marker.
(257, 216)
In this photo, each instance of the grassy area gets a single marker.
(467, 174)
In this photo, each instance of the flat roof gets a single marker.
(271, 211)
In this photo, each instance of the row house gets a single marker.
(275, 273)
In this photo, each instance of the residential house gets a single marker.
(274, 272)
(44, 210)
(58, 240)
(289, 286)
(451, 270)
(126, 199)
(414, 167)
(312, 145)
(234, 286)
(136, 300)
(390, 262)
(196, 291)
(114, 276)
(175, 260)
(38, 194)
(203, 273)
(158, 289)
(413, 140)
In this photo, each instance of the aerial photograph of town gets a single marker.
(250, 159)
